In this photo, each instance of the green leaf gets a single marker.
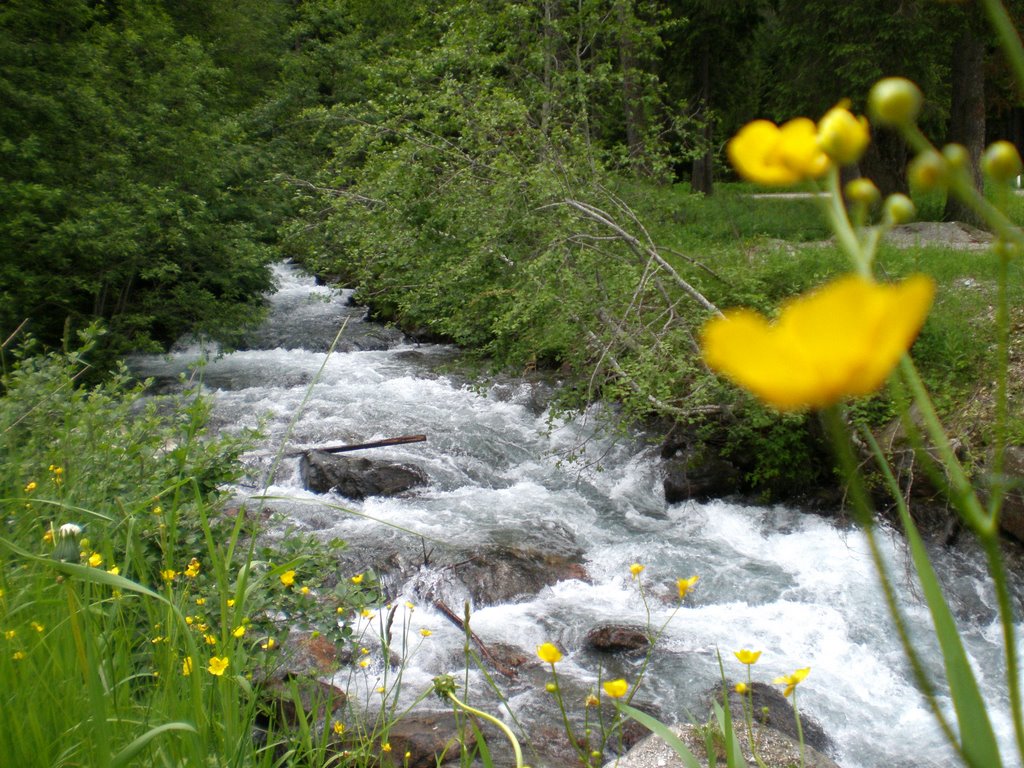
(733, 754)
(663, 732)
(125, 756)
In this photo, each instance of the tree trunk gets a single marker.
(967, 111)
(702, 176)
(632, 96)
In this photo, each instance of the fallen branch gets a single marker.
(484, 650)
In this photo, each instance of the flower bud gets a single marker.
(1001, 162)
(67, 548)
(842, 136)
(862, 191)
(894, 101)
(927, 171)
(899, 209)
(957, 156)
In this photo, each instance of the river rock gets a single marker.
(357, 478)
(774, 748)
(1011, 519)
(699, 476)
(774, 711)
(500, 574)
(429, 739)
(615, 638)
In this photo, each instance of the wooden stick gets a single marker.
(484, 650)
(359, 446)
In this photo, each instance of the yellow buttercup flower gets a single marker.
(841, 340)
(31, 487)
(95, 559)
(549, 653)
(338, 727)
(288, 578)
(741, 688)
(842, 136)
(186, 666)
(238, 631)
(792, 681)
(357, 579)
(747, 657)
(168, 574)
(635, 570)
(426, 632)
(616, 688)
(685, 585)
(193, 568)
(217, 665)
(766, 153)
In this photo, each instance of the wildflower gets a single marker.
(842, 136)
(304, 590)
(210, 639)
(95, 559)
(10, 634)
(366, 613)
(193, 568)
(364, 651)
(549, 653)
(37, 626)
(838, 341)
(190, 620)
(685, 585)
(927, 171)
(899, 209)
(385, 747)
(357, 579)
(742, 688)
(364, 663)
(186, 666)
(158, 510)
(67, 543)
(217, 665)
(591, 701)
(894, 101)
(616, 688)
(747, 657)
(793, 680)
(269, 645)
(381, 689)
(201, 627)
(231, 603)
(765, 153)
(426, 632)
(338, 727)
(635, 570)
(18, 655)
(339, 610)
(862, 191)
(168, 574)
(157, 640)
(288, 578)
(409, 605)
(113, 570)
(48, 536)
(200, 601)
(238, 631)
(31, 487)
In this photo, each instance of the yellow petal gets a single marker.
(754, 154)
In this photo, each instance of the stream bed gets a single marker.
(502, 472)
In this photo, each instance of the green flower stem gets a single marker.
(963, 491)
(845, 234)
(495, 721)
(1009, 40)
(1002, 387)
(799, 730)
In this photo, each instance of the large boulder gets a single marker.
(1011, 519)
(357, 478)
(618, 638)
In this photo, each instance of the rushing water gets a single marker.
(792, 585)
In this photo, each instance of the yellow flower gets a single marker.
(158, 510)
(765, 153)
(193, 568)
(18, 655)
(304, 590)
(616, 688)
(741, 688)
(37, 626)
(840, 340)
(169, 574)
(288, 578)
(364, 663)
(364, 651)
(792, 681)
(842, 136)
(747, 657)
(231, 603)
(210, 639)
(338, 727)
(385, 747)
(358, 579)
(591, 701)
(95, 559)
(200, 601)
(685, 585)
(635, 570)
(238, 631)
(269, 645)
(217, 665)
(366, 613)
(10, 634)
(48, 536)
(31, 487)
(426, 632)
(549, 653)
(114, 570)
(186, 666)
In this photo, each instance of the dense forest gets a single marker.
(483, 171)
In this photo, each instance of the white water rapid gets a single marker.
(792, 585)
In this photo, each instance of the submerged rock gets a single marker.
(615, 638)
(357, 478)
